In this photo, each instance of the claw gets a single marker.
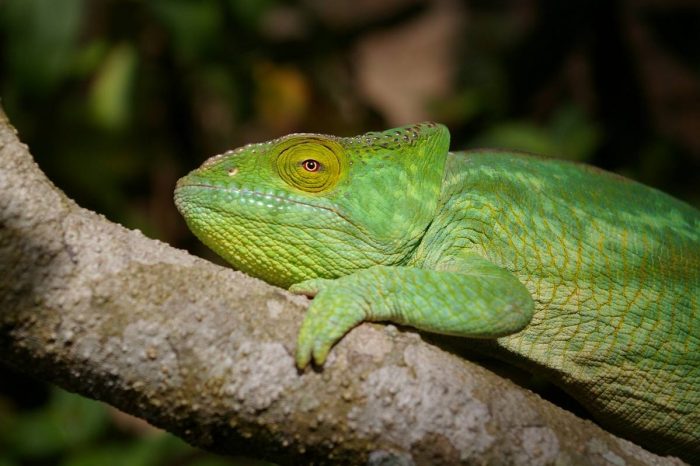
(302, 358)
(312, 345)
(321, 350)
(304, 349)
(318, 354)
(331, 315)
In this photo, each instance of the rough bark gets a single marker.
(206, 353)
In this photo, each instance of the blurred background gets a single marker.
(118, 98)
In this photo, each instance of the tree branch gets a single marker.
(206, 353)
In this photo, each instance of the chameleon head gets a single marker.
(310, 205)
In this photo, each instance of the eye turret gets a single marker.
(311, 164)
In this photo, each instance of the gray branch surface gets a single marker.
(206, 353)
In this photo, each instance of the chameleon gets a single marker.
(585, 277)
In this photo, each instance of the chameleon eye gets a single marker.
(311, 165)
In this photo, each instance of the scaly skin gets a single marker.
(580, 275)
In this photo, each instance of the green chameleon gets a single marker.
(580, 275)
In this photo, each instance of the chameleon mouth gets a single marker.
(248, 196)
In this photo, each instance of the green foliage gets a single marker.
(194, 27)
(158, 449)
(569, 134)
(70, 430)
(65, 422)
(111, 96)
(41, 41)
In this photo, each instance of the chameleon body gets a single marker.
(583, 276)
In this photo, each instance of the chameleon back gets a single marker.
(614, 269)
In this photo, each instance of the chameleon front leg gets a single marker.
(470, 297)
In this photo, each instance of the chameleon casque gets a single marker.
(580, 275)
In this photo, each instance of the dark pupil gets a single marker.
(311, 165)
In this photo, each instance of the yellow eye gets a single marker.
(308, 163)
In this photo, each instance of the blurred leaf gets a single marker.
(462, 107)
(160, 449)
(42, 37)
(250, 12)
(145, 451)
(89, 57)
(67, 421)
(656, 164)
(194, 26)
(569, 135)
(110, 96)
(574, 134)
(519, 136)
(105, 455)
(282, 96)
(211, 460)
(73, 428)
(79, 419)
